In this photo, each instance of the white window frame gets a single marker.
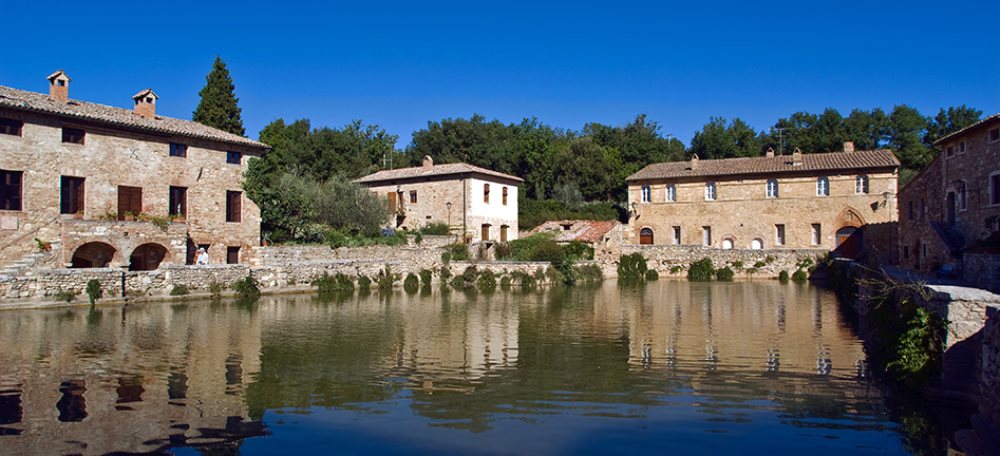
(706, 236)
(675, 235)
(711, 192)
(962, 147)
(645, 194)
(861, 184)
(994, 192)
(771, 189)
(671, 193)
(779, 234)
(822, 186)
(817, 233)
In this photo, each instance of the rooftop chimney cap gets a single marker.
(428, 162)
(59, 86)
(770, 152)
(145, 103)
(797, 157)
(57, 75)
(848, 146)
(144, 93)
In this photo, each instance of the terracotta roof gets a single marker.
(949, 136)
(22, 100)
(580, 230)
(436, 170)
(832, 161)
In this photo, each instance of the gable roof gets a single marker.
(21, 100)
(987, 120)
(832, 161)
(433, 171)
(589, 231)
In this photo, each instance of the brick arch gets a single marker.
(148, 256)
(94, 255)
(849, 217)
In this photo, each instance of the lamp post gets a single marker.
(448, 205)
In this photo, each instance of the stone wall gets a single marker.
(990, 371)
(663, 258)
(982, 270)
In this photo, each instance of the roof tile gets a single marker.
(436, 170)
(833, 161)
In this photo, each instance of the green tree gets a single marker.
(906, 130)
(950, 120)
(219, 107)
(722, 139)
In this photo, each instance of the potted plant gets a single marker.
(129, 217)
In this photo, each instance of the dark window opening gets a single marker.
(413, 197)
(995, 189)
(10, 127)
(72, 195)
(178, 150)
(10, 190)
(232, 255)
(233, 158)
(129, 202)
(486, 193)
(178, 201)
(73, 135)
(504, 194)
(995, 134)
(233, 206)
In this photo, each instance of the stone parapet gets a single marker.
(665, 258)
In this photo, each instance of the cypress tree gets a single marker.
(219, 106)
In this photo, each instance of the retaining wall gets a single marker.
(663, 258)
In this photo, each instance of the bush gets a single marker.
(589, 273)
(632, 268)
(783, 276)
(328, 284)
(457, 252)
(800, 276)
(548, 251)
(179, 290)
(502, 251)
(445, 275)
(725, 274)
(418, 238)
(470, 274)
(412, 283)
(553, 275)
(576, 251)
(701, 270)
(364, 283)
(66, 295)
(247, 289)
(505, 282)
(676, 269)
(436, 229)
(487, 281)
(94, 291)
(538, 247)
(425, 277)
(652, 275)
(216, 289)
(385, 279)
(532, 213)
(336, 239)
(458, 282)
(916, 354)
(446, 258)
(525, 281)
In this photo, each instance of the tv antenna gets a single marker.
(781, 138)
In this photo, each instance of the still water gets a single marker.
(672, 367)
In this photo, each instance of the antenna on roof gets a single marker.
(781, 138)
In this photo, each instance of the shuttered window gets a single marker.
(10, 190)
(232, 255)
(129, 201)
(71, 195)
(234, 208)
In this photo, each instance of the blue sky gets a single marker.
(402, 64)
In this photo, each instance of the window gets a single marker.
(503, 233)
(779, 234)
(772, 188)
(706, 235)
(413, 197)
(233, 158)
(906, 251)
(129, 202)
(861, 185)
(10, 190)
(823, 186)
(10, 127)
(710, 191)
(234, 206)
(817, 234)
(178, 201)
(671, 193)
(912, 210)
(728, 243)
(71, 195)
(677, 235)
(178, 150)
(646, 194)
(486, 231)
(993, 135)
(961, 147)
(486, 193)
(503, 194)
(949, 151)
(232, 255)
(923, 210)
(757, 244)
(962, 200)
(995, 187)
(73, 135)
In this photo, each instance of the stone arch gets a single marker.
(646, 236)
(757, 244)
(728, 242)
(93, 255)
(147, 257)
(850, 217)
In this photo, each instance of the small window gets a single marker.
(646, 194)
(817, 234)
(906, 251)
(178, 150)
(772, 188)
(677, 235)
(486, 193)
(779, 234)
(71, 195)
(671, 193)
(913, 210)
(961, 147)
(861, 185)
(232, 255)
(73, 135)
(923, 210)
(10, 190)
(994, 135)
(129, 202)
(757, 244)
(233, 158)
(949, 151)
(503, 193)
(706, 235)
(995, 187)
(413, 197)
(710, 191)
(486, 231)
(963, 202)
(823, 186)
(234, 209)
(503, 233)
(178, 201)
(728, 243)
(10, 127)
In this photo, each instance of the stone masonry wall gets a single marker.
(990, 371)
(663, 258)
(982, 270)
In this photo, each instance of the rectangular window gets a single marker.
(772, 188)
(71, 195)
(10, 127)
(671, 193)
(10, 190)
(178, 150)
(503, 233)
(73, 135)
(994, 135)
(817, 234)
(823, 186)
(710, 191)
(706, 235)
(504, 194)
(923, 210)
(232, 255)
(961, 147)
(234, 206)
(129, 202)
(486, 193)
(861, 184)
(949, 151)
(677, 235)
(413, 197)
(647, 194)
(486, 232)
(779, 234)
(906, 251)
(995, 188)
(178, 201)
(912, 210)
(233, 158)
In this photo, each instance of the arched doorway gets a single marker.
(147, 257)
(93, 255)
(646, 236)
(849, 242)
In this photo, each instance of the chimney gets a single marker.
(770, 152)
(59, 86)
(428, 162)
(848, 146)
(694, 161)
(145, 103)
(797, 157)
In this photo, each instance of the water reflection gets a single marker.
(566, 370)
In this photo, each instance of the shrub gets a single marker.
(589, 273)
(458, 251)
(548, 251)
(916, 354)
(418, 238)
(632, 268)
(412, 283)
(487, 281)
(532, 213)
(364, 283)
(701, 270)
(446, 258)
(502, 251)
(66, 295)
(553, 275)
(676, 269)
(435, 228)
(539, 275)
(525, 281)
(179, 290)
(328, 284)
(800, 276)
(725, 274)
(247, 289)
(216, 289)
(470, 274)
(94, 291)
(425, 277)
(737, 265)
(576, 251)
(385, 279)
(458, 282)
(445, 275)
(652, 275)
(505, 282)
(783, 276)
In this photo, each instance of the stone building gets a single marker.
(950, 212)
(797, 201)
(478, 202)
(89, 185)
(602, 235)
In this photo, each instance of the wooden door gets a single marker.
(129, 201)
(646, 236)
(391, 204)
(849, 242)
(503, 233)
(486, 232)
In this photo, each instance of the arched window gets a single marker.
(728, 243)
(710, 191)
(823, 186)
(671, 193)
(646, 194)
(861, 184)
(757, 244)
(772, 188)
(646, 236)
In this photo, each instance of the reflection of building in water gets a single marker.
(97, 385)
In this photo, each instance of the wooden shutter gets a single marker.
(129, 200)
(391, 205)
(234, 210)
